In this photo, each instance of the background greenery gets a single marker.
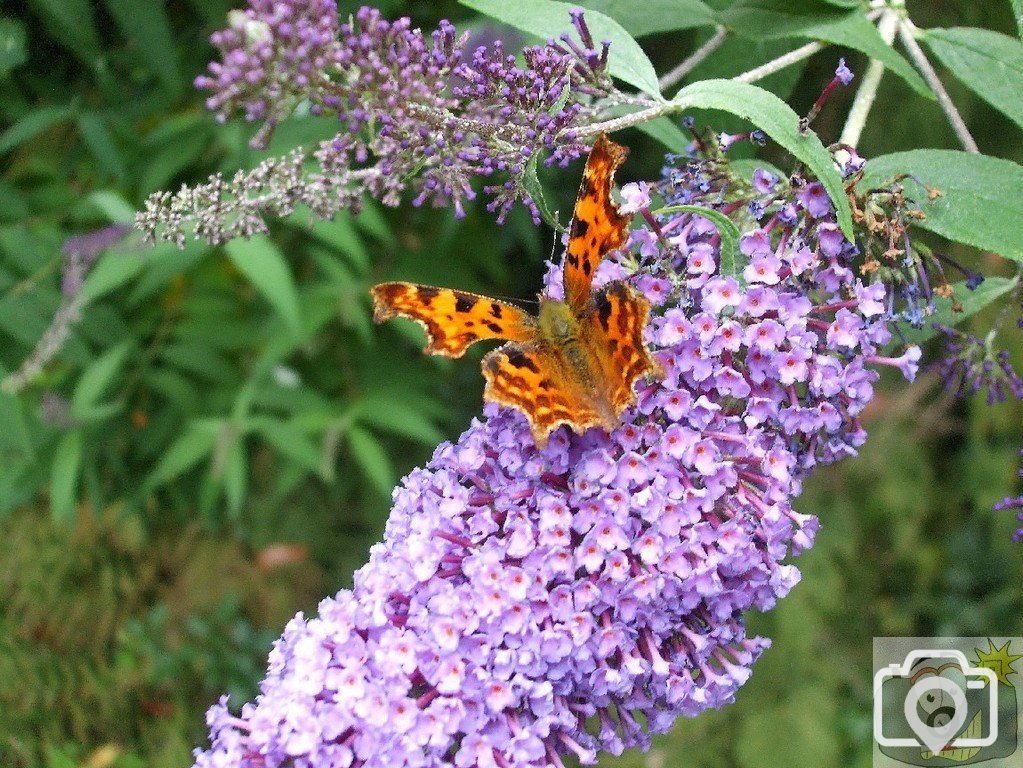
(214, 446)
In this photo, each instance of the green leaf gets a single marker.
(652, 16)
(772, 19)
(113, 205)
(777, 120)
(113, 270)
(73, 24)
(291, 442)
(733, 261)
(184, 453)
(371, 219)
(262, 262)
(31, 125)
(989, 63)
(1017, 11)
(340, 233)
(372, 459)
(532, 184)
(64, 473)
(167, 159)
(980, 196)
(14, 433)
(235, 477)
(972, 302)
(549, 19)
(58, 758)
(666, 131)
(98, 376)
(145, 24)
(396, 416)
(101, 144)
(13, 51)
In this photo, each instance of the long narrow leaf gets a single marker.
(980, 196)
(777, 120)
(262, 262)
(549, 19)
(989, 63)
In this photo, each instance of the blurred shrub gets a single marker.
(112, 637)
(246, 388)
(201, 380)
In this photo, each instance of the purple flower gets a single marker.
(764, 182)
(529, 605)
(843, 73)
(635, 197)
(1014, 503)
(418, 114)
(972, 364)
(815, 199)
(273, 51)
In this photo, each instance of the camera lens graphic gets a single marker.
(943, 704)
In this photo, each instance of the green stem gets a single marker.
(687, 66)
(867, 91)
(907, 33)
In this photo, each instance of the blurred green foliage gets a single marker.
(213, 446)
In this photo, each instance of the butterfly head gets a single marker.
(558, 324)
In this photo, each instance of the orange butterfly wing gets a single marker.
(612, 333)
(536, 380)
(597, 226)
(453, 320)
(536, 372)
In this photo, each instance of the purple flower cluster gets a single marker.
(1015, 503)
(418, 113)
(972, 364)
(526, 605)
(272, 55)
(434, 113)
(81, 252)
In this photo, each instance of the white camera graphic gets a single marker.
(935, 706)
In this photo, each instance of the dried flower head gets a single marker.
(418, 114)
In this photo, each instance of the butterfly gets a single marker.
(576, 361)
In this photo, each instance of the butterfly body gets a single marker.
(574, 362)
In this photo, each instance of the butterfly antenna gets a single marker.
(515, 299)
(555, 241)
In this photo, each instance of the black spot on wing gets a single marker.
(603, 309)
(428, 293)
(494, 327)
(464, 303)
(579, 227)
(495, 310)
(518, 360)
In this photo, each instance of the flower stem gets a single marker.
(628, 121)
(672, 106)
(687, 66)
(787, 60)
(907, 32)
(867, 91)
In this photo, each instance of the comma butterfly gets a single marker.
(576, 361)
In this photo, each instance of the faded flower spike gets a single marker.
(418, 116)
